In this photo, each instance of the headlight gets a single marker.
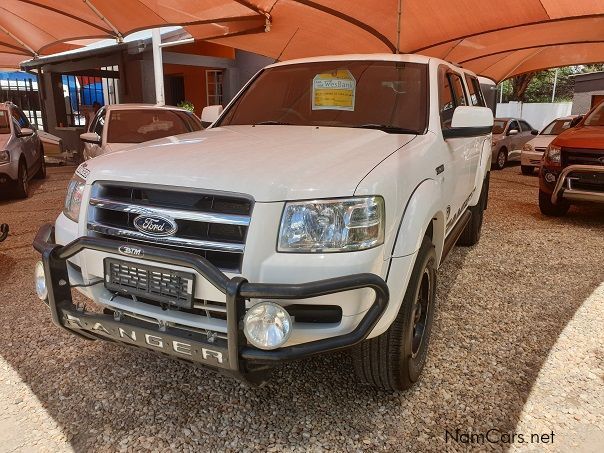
(4, 157)
(552, 155)
(337, 225)
(73, 200)
(528, 147)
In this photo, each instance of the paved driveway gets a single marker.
(517, 346)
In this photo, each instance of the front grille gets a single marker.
(210, 225)
(582, 156)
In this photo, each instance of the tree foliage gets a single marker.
(538, 86)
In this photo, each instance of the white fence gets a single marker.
(537, 115)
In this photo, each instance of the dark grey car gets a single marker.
(21, 151)
(509, 136)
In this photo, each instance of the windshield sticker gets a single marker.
(334, 91)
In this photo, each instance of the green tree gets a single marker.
(538, 86)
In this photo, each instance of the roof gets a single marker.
(143, 106)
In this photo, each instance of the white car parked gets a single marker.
(533, 150)
(119, 126)
(312, 216)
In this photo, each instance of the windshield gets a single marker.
(499, 126)
(556, 127)
(141, 125)
(391, 96)
(4, 122)
(596, 118)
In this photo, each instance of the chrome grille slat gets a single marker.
(168, 240)
(207, 217)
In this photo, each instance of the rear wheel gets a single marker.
(502, 159)
(395, 359)
(527, 169)
(22, 185)
(550, 209)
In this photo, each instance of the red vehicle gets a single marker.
(572, 168)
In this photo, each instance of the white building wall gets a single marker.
(537, 115)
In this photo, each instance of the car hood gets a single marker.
(541, 141)
(271, 163)
(591, 137)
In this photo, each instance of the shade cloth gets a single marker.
(495, 38)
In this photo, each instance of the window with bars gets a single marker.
(214, 86)
(82, 91)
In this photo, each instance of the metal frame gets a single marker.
(560, 191)
(242, 359)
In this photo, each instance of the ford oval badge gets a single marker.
(155, 225)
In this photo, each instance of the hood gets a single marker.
(541, 141)
(114, 147)
(270, 163)
(591, 137)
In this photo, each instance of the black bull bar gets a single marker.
(240, 357)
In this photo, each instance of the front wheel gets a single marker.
(395, 359)
(527, 170)
(550, 209)
(502, 159)
(22, 184)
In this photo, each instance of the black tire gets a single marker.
(395, 359)
(552, 210)
(41, 173)
(22, 183)
(527, 170)
(471, 233)
(501, 160)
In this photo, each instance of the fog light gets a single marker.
(550, 177)
(40, 278)
(267, 325)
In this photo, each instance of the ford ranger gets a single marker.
(311, 217)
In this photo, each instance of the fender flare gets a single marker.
(423, 208)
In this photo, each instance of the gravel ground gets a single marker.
(517, 347)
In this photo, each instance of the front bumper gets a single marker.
(231, 354)
(580, 183)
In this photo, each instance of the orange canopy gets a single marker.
(495, 38)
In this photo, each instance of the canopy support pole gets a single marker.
(398, 26)
(555, 83)
(118, 35)
(158, 67)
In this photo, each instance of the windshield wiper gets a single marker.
(272, 122)
(386, 128)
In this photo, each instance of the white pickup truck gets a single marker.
(312, 216)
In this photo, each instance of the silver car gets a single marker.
(21, 151)
(509, 136)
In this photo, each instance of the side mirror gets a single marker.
(26, 132)
(91, 137)
(210, 114)
(513, 132)
(534, 132)
(469, 121)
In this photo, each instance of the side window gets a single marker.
(19, 118)
(476, 96)
(458, 89)
(526, 127)
(99, 123)
(513, 125)
(451, 95)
